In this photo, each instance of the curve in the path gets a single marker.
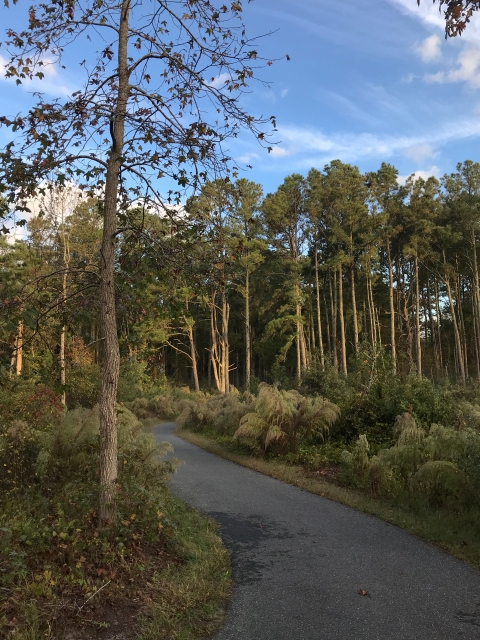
(300, 561)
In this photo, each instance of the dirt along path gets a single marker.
(307, 568)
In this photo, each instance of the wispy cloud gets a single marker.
(427, 12)
(283, 93)
(429, 49)
(432, 16)
(248, 157)
(279, 152)
(310, 145)
(419, 152)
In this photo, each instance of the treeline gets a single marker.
(240, 287)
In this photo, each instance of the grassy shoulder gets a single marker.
(455, 532)
(80, 584)
(159, 571)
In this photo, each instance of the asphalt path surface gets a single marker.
(299, 562)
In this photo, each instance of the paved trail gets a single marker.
(300, 560)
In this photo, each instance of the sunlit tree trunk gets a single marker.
(458, 342)
(438, 323)
(463, 336)
(342, 320)
(417, 318)
(225, 343)
(392, 307)
(193, 351)
(334, 304)
(108, 323)
(371, 311)
(354, 307)
(319, 313)
(17, 355)
(476, 299)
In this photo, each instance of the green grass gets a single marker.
(457, 533)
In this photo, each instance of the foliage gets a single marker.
(282, 418)
(438, 467)
(52, 554)
(371, 397)
(221, 412)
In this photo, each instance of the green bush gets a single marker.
(282, 419)
(371, 397)
(83, 386)
(438, 468)
(219, 412)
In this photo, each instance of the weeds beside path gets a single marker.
(160, 571)
(456, 533)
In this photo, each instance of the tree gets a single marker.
(247, 198)
(457, 15)
(151, 108)
(285, 217)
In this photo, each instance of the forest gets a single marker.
(239, 287)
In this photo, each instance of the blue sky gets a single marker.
(368, 81)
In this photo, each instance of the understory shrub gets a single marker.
(68, 446)
(220, 412)
(281, 419)
(438, 467)
(371, 397)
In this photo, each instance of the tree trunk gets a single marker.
(111, 352)
(463, 334)
(458, 342)
(66, 262)
(248, 366)
(333, 299)
(438, 323)
(476, 298)
(417, 318)
(216, 362)
(193, 355)
(392, 308)
(319, 313)
(371, 311)
(225, 345)
(298, 337)
(342, 320)
(354, 308)
(17, 356)
(193, 350)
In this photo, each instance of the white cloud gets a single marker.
(419, 152)
(284, 92)
(429, 50)
(321, 147)
(468, 70)
(51, 83)
(434, 172)
(248, 157)
(432, 15)
(278, 152)
(219, 81)
(427, 12)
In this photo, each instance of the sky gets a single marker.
(367, 81)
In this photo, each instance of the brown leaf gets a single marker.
(363, 592)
